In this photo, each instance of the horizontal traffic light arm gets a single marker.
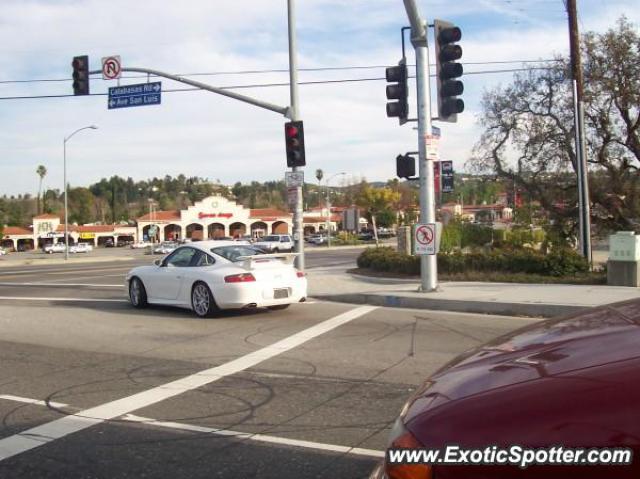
(285, 111)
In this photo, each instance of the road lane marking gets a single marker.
(257, 437)
(37, 402)
(62, 284)
(85, 300)
(45, 433)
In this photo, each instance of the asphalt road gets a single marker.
(91, 388)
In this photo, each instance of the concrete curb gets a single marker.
(460, 306)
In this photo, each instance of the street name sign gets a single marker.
(294, 178)
(142, 94)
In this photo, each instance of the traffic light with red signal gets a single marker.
(80, 66)
(294, 142)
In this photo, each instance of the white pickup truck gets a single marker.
(275, 243)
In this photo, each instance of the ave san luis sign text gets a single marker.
(142, 94)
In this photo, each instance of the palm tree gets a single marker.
(42, 172)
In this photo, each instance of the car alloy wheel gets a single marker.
(137, 293)
(202, 301)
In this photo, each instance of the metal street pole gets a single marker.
(578, 119)
(298, 235)
(428, 263)
(64, 175)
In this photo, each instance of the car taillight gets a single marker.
(401, 437)
(239, 278)
(300, 274)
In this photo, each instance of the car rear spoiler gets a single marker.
(247, 261)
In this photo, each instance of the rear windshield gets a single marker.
(271, 238)
(232, 253)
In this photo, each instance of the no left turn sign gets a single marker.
(111, 67)
(425, 238)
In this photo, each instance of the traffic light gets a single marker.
(294, 140)
(447, 70)
(80, 66)
(405, 166)
(398, 90)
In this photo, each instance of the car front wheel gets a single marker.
(202, 301)
(137, 293)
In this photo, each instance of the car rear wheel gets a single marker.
(202, 301)
(278, 307)
(137, 293)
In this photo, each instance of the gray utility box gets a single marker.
(623, 267)
(404, 239)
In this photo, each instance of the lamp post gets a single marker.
(64, 174)
(328, 220)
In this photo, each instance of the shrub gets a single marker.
(562, 262)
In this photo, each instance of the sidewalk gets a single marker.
(512, 299)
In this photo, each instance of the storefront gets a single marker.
(213, 217)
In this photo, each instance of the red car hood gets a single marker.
(543, 351)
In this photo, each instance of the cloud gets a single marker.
(199, 133)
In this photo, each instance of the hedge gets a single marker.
(564, 262)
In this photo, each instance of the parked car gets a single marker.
(211, 275)
(54, 248)
(165, 247)
(572, 381)
(140, 245)
(108, 243)
(80, 248)
(318, 239)
(3, 251)
(366, 236)
(275, 243)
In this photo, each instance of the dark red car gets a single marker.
(572, 382)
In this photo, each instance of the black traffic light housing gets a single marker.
(294, 141)
(447, 70)
(80, 66)
(398, 90)
(405, 166)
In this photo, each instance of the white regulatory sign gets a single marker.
(111, 67)
(424, 239)
(294, 179)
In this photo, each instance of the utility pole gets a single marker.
(298, 236)
(578, 118)
(428, 263)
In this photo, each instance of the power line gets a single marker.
(270, 85)
(250, 72)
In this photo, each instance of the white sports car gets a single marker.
(207, 276)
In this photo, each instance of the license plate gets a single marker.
(280, 293)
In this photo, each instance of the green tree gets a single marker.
(529, 135)
(376, 200)
(41, 172)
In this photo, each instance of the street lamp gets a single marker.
(328, 220)
(64, 168)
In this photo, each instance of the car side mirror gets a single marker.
(158, 262)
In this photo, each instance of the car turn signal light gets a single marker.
(239, 278)
(404, 439)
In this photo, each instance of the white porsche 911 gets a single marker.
(207, 276)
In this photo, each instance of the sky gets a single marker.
(198, 133)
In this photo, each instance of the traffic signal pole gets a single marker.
(428, 263)
(298, 233)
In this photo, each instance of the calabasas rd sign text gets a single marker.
(142, 94)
